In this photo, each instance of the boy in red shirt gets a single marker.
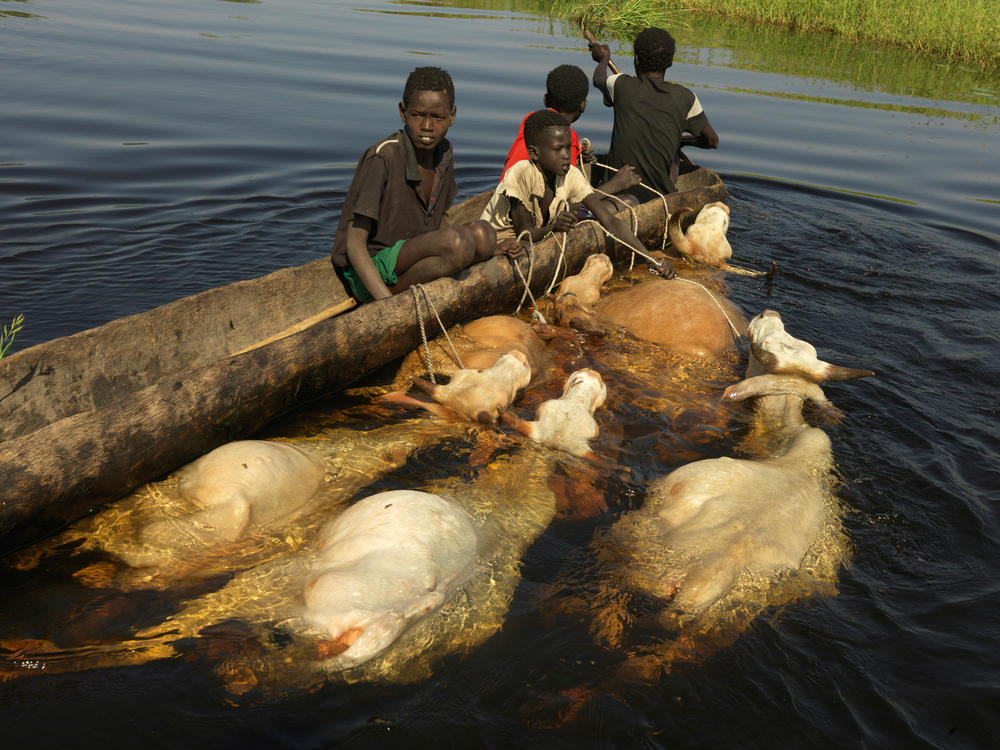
(566, 88)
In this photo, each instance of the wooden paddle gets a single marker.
(592, 40)
(302, 325)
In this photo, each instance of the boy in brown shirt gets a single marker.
(390, 234)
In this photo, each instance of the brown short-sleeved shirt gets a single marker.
(384, 189)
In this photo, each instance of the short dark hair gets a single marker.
(429, 79)
(566, 88)
(654, 49)
(538, 122)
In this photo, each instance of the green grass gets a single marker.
(7, 336)
(966, 31)
(625, 17)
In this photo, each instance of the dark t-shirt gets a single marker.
(650, 117)
(385, 189)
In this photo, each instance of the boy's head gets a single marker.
(546, 134)
(429, 79)
(428, 107)
(566, 90)
(654, 50)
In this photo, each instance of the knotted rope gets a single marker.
(530, 251)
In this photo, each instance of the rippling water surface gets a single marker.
(154, 150)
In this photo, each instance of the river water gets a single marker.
(154, 150)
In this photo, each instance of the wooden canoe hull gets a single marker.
(89, 417)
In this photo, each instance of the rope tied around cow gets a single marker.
(656, 266)
(635, 222)
(732, 326)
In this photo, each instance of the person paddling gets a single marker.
(653, 117)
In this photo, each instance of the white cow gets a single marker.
(386, 562)
(713, 526)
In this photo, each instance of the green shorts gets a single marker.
(385, 261)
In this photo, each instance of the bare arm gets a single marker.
(708, 138)
(621, 231)
(601, 54)
(357, 254)
(523, 221)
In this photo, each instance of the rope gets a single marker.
(663, 199)
(536, 313)
(635, 221)
(561, 242)
(732, 326)
(652, 261)
(531, 268)
(423, 333)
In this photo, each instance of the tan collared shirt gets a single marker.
(525, 182)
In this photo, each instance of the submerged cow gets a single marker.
(238, 486)
(664, 401)
(718, 539)
(705, 240)
(680, 315)
(475, 345)
(475, 395)
(567, 423)
(386, 562)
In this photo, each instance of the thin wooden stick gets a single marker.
(302, 325)
(611, 63)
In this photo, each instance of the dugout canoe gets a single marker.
(86, 418)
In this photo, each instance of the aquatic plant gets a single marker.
(965, 31)
(961, 30)
(7, 337)
(624, 18)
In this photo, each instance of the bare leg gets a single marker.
(442, 253)
(616, 203)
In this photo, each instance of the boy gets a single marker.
(535, 195)
(651, 114)
(390, 235)
(566, 93)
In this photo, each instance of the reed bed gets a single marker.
(965, 31)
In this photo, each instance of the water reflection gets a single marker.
(10, 13)
(985, 119)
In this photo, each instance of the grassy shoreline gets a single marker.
(963, 31)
